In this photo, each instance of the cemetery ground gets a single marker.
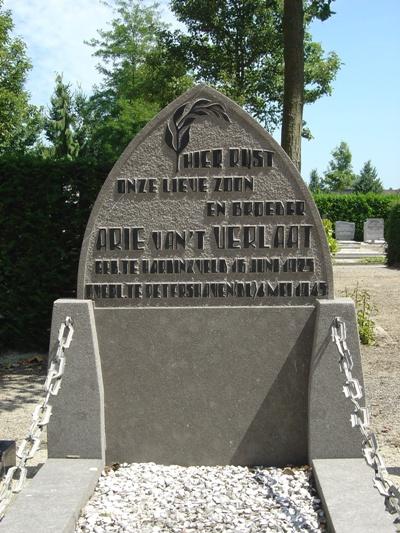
(22, 375)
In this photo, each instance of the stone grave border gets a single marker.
(54, 498)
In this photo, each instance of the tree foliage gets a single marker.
(229, 45)
(61, 122)
(316, 182)
(20, 122)
(123, 48)
(319, 9)
(237, 46)
(340, 176)
(368, 180)
(139, 77)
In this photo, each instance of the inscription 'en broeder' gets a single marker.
(204, 208)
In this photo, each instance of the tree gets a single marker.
(139, 78)
(339, 175)
(293, 94)
(20, 122)
(60, 123)
(123, 48)
(229, 44)
(296, 15)
(368, 180)
(316, 183)
(237, 46)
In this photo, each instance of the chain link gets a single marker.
(15, 478)
(360, 418)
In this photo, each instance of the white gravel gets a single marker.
(150, 498)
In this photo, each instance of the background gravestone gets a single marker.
(344, 231)
(374, 229)
(207, 268)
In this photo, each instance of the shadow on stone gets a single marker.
(326, 342)
(274, 427)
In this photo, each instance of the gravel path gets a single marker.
(149, 498)
(21, 387)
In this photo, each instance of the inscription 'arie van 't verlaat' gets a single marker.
(227, 237)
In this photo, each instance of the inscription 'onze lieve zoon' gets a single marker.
(203, 208)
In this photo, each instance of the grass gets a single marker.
(376, 260)
(364, 310)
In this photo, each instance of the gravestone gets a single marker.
(205, 299)
(344, 231)
(374, 230)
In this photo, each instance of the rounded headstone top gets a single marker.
(204, 208)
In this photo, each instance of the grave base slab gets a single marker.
(204, 386)
(52, 501)
(351, 502)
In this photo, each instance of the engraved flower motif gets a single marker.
(177, 131)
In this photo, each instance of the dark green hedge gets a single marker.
(44, 208)
(393, 236)
(354, 208)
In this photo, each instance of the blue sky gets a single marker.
(363, 110)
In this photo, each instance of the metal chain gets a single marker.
(15, 478)
(360, 418)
